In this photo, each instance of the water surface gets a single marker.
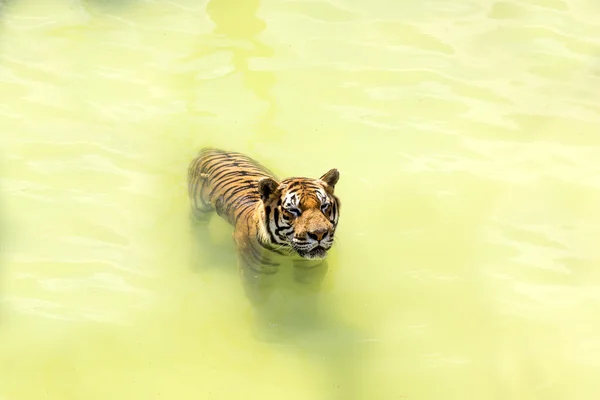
(466, 134)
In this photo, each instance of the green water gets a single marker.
(467, 138)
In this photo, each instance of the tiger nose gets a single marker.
(318, 234)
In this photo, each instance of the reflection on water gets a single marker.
(238, 22)
(107, 5)
(336, 348)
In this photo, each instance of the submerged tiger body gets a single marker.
(292, 221)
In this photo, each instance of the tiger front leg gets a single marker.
(258, 285)
(309, 274)
(308, 279)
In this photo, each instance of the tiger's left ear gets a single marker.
(266, 188)
(331, 177)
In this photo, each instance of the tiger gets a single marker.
(275, 222)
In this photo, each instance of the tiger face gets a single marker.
(301, 213)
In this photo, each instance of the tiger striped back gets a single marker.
(225, 182)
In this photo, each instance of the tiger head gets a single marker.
(301, 213)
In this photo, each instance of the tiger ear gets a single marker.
(331, 177)
(266, 188)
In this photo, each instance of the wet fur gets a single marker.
(275, 222)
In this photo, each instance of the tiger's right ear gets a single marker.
(266, 188)
(331, 177)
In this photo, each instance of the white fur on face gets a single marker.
(291, 200)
